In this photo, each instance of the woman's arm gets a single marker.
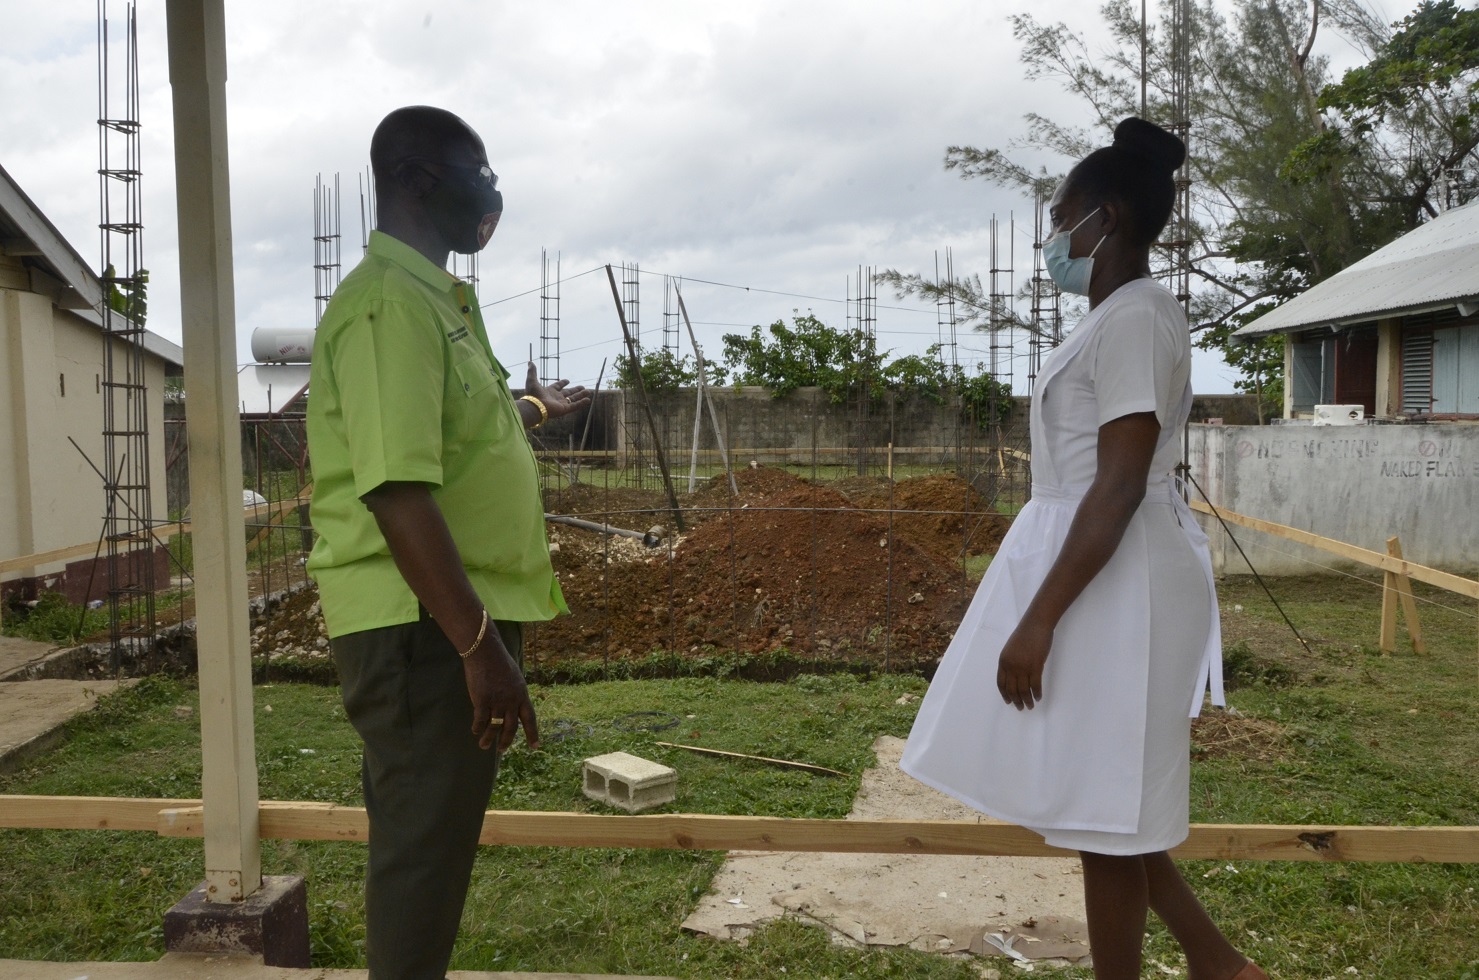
(1126, 445)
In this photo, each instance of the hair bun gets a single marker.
(1151, 143)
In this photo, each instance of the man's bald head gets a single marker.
(417, 131)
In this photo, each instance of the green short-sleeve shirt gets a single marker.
(405, 387)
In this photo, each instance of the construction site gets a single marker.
(706, 535)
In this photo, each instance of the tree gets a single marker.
(1293, 176)
(1407, 117)
(844, 363)
(662, 371)
(808, 354)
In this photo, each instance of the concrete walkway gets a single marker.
(16, 653)
(180, 966)
(32, 713)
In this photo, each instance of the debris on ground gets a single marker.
(788, 564)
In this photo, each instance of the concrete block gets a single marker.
(272, 923)
(629, 782)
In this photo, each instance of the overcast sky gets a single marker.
(768, 144)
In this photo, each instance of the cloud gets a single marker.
(766, 144)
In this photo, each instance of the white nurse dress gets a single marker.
(1102, 762)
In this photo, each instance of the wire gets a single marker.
(1228, 531)
(538, 288)
(781, 292)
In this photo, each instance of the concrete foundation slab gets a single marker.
(195, 966)
(32, 714)
(16, 653)
(271, 923)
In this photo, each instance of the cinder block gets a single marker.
(629, 782)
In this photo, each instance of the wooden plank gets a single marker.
(163, 533)
(677, 831)
(281, 515)
(1432, 576)
(197, 70)
(85, 812)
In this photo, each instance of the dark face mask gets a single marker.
(466, 213)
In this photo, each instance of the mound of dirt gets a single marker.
(947, 514)
(787, 564)
(795, 565)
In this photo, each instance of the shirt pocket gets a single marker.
(474, 374)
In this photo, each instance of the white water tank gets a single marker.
(282, 345)
(1339, 415)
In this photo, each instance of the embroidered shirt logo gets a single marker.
(457, 335)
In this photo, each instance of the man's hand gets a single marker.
(1019, 669)
(497, 689)
(557, 398)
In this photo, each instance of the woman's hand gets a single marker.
(1019, 669)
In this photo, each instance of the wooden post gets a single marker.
(197, 69)
(1397, 585)
(636, 356)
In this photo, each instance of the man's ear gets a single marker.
(416, 180)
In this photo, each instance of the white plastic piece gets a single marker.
(1339, 415)
(629, 782)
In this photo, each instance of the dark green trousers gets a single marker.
(426, 788)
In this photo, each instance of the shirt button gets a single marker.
(467, 309)
(467, 387)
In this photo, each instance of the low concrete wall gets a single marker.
(1357, 484)
(807, 420)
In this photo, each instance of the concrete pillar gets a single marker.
(271, 924)
(197, 68)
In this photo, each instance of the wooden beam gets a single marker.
(678, 831)
(1432, 576)
(85, 812)
(197, 73)
(163, 532)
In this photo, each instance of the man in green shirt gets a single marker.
(431, 549)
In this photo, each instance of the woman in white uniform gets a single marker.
(1063, 704)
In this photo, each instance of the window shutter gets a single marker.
(1417, 373)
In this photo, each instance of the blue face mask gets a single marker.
(1071, 275)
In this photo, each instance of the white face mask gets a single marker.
(1071, 275)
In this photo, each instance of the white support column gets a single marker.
(197, 68)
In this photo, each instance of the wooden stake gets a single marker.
(636, 358)
(805, 766)
(1396, 586)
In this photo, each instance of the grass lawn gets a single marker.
(1338, 735)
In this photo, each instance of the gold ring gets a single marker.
(494, 722)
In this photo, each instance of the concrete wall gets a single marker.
(50, 374)
(1358, 484)
(793, 425)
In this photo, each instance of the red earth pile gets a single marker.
(941, 512)
(789, 565)
(786, 564)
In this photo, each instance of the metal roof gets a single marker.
(1434, 266)
(269, 389)
(25, 232)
